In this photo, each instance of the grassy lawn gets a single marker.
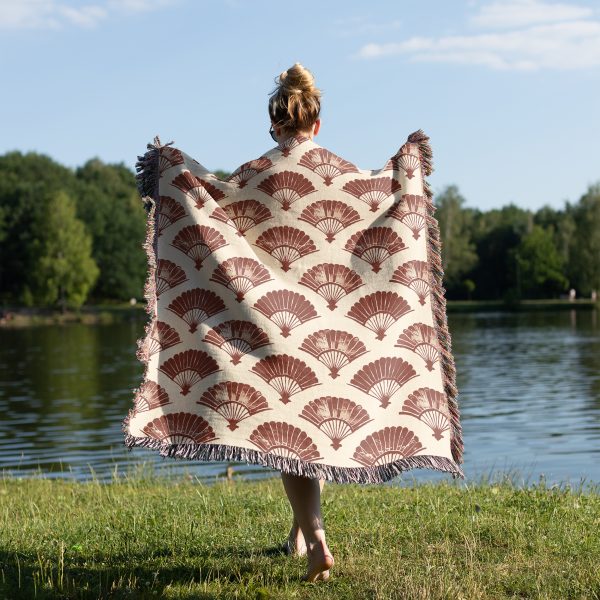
(148, 536)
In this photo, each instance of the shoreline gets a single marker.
(92, 314)
(454, 306)
(104, 314)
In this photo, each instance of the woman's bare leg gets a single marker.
(295, 539)
(304, 494)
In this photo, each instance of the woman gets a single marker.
(294, 108)
(207, 257)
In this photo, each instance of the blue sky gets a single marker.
(507, 90)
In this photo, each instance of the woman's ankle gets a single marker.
(316, 540)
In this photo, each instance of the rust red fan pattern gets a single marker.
(296, 319)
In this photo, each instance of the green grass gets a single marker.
(148, 536)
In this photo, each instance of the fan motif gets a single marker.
(197, 242)
(199, 190)
(237, 337)
(243, 174)
(187, 368)
(422, 340)
(234, 401)
(430, 407)
(334, 348)
(240, 275)
(326, 164)
(290, 143)
(286, 187)
(336, 417)
(332, 282)
(220, 215)
(168, 276)
(407, 161)
(169, 157)
(285, 440)
(149, 396)
(387, 445)
(170, 211)
(329, 216)
(286, 309)
(286, 244)
(180, 428)
(415, 275)
(379, 311)
(245, 214)
(196, 305)
(162, 336)
(296, 315)
(286, 374)
(372, 191)
(410, 211)
(383, 377)
(375, 245)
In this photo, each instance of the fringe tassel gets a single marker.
(148, 172)
(438, 297)
(223, 452)
(148, 177)
(147, 180)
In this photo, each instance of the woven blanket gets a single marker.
(296, 315)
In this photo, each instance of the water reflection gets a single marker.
(529, 398)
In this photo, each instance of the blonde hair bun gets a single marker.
(295, 103)
(298, 80)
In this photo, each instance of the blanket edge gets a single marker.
(147, 180)
(438, 295)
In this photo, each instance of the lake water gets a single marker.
(529, 397)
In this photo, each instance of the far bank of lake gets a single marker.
(22, 316)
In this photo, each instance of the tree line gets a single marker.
(513, 253)
(74, 236)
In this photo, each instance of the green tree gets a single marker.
(458, 251)
(585, 243)
(496, 232)
(25, 181)
(562, 226)
(540, 266)
(111, 208)
(65, 269)
(220, 174)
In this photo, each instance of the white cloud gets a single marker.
(56, 14)
(138, 5)
(86, 16)
(551, 36)
(519, 13)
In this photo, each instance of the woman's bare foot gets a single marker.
(295, 544)
(320, 560)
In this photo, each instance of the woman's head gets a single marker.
(295, 104)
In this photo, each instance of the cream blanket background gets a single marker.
(297, 317)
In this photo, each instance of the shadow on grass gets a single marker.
(24, 575)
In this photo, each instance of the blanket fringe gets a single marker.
(148, 172)
(147, 178)
(438, 297)
(148, 167)
(294, 466)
